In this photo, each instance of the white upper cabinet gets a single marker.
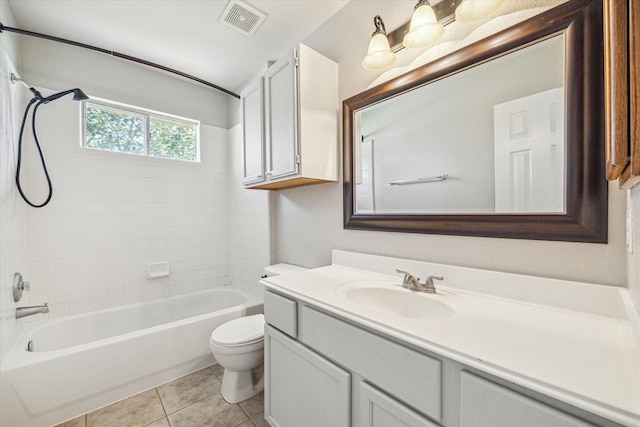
(252, 147)
(280, 117)
(292, 140)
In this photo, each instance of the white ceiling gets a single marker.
(180, 34)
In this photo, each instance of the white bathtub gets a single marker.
(82, 362)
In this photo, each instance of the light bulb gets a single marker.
(475, 10)
(425, 29)
(379, 54)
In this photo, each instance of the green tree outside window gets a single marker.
(116, 129)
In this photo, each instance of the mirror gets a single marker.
(502, 138)
(500, 150)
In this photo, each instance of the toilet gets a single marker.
(238, 346)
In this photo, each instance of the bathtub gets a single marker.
(83, 362)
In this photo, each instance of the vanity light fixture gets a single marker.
(424, 30)
(475, 10)
(379, 55)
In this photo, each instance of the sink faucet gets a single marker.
(29, 311)
(410, 282)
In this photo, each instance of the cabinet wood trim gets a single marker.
(616, 66)
(631, 174)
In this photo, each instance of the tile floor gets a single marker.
(191, 401)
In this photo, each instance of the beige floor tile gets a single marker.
(259, 420)
(211, 412)
(254, 405)
(80, 421)
(247, 423)
(135, 411)
(218, 370)
(160, 423)
(189, 389)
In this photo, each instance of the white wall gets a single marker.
(12, 211)
(634, 257)
(249, 221)
(113, 213)
(309, 219)
(59, 66)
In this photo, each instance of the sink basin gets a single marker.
(398, 301)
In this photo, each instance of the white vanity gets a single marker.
(346, 345)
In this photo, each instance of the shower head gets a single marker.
(78, 95)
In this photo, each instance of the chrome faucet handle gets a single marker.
(406, 281)
(428, 286)
(409, 281)
(19, 286)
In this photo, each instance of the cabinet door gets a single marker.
(252, 134)
(302, 388)
(281, 118)
(379, 410)
(484, 403)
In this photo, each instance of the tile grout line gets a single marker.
(191, 404)
(161, 402)
(166, 416)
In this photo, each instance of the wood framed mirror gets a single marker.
(572, 203)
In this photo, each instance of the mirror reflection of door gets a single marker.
(529, 153)
(364, 177)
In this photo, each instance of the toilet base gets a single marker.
(239, 385)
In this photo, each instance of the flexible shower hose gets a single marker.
(37, 103)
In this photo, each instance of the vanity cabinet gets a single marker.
(325, 370)
(309, 390)
(378, 409)
(290, 123)
(484, 403)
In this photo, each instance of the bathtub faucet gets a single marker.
(29, 311)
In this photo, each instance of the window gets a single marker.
(114, 127)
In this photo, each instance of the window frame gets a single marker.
(147, 115)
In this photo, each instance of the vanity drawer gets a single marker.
(484, 403)
(412, 377)
(377, 409)
(281, 312)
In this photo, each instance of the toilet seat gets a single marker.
(239, 335)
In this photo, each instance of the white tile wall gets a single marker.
(113, 213)
(249, 242)
(12, 210)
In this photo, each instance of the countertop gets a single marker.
(591, 361)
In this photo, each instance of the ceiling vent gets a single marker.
(242, 17)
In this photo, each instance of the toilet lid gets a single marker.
(242, 330)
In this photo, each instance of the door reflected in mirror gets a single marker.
(489, 139)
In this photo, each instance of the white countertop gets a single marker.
(591, 361)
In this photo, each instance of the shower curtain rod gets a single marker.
(118, 55)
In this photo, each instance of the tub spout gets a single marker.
(29, 311)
